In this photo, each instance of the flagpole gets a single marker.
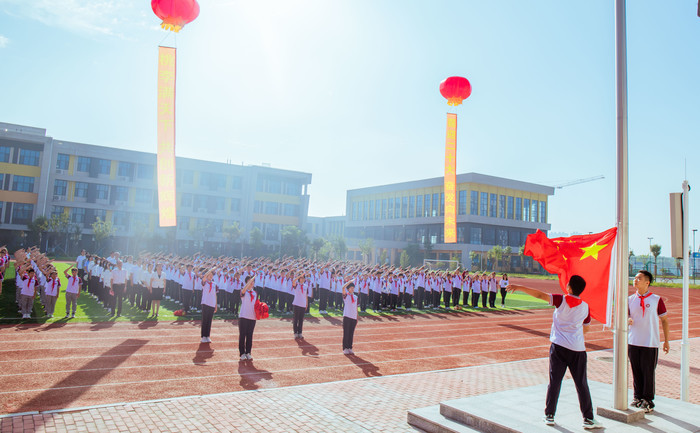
(685, 345)
(621, 288)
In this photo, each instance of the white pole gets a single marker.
(622, 283)
(685, 346)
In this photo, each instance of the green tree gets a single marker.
(507, 251)
(293, 241)
(60, 224)
(37, 228)
(495, 254)
(405, 260)
(231, 232)
(339, 247)
(415, 255)
(473, 256)
(367, 246)
(102, 230)
(382, 257)
(316, 246)
(256, 241)
(428, 247)
(655, 251)
(326, 251)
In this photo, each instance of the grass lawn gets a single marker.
(90, 310)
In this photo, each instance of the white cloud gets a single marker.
(105, 17)
(3, 41)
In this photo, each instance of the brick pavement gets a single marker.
(376, 404)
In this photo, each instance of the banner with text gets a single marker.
(166, 136)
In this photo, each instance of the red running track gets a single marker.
(45, 367)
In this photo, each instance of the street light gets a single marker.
(649, 262)
(693, 255)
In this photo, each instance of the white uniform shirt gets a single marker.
(209, 294)
(350, 307)
(73, 285)
(567, 323)
(248, 305)
(644, 330)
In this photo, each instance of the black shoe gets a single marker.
(647, 406)
(549, 419)
(636, 403)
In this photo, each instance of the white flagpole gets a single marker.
(685, 345)
(621, 288)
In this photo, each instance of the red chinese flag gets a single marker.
(586, 255)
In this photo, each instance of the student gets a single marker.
(493, 289)
(247, 319)
(72, 292)
(476, 290)
(236, 285)
(300, 290)
(209, 306)
(4, 259)
(188, 283)
(456, 287)
(349, 316)
(646, 309)
(157, 286)
(27, 294)
(118, 284)
(568, 349)
(52, 287)
(504, 285)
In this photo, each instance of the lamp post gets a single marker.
(649, 262)
(693, 256)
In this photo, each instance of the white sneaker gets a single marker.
(350, 352)
(72, 316)
(346, 352)
(250, 358)
(204, 340)
(301, 336)
(208, 339)
(590, 424)
(244, 357)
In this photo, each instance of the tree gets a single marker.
(339, 247)
(507, 251)
(524, 262)
(495, 254)
(293, 241)
(428, 246)
(383, 257)
(367, 246)
(37, 228)
(316, 246)
(404, 261)
(231, 232)
(60, 224)
(655, 250)
(102, 230)
(256, 241)
(415, 256)
(473, 255)
(326, 251)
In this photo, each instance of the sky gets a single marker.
(348, 90)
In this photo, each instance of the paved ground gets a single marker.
(376, 404)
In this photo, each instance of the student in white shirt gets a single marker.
(72, 291)
(157, 286)
(300, 291)
(504, 285)
(28, 288)
(52, 287)
(493, 290)
(568, 350)
(349, 316)
(247, 319)
(209, 305)
(118, 284)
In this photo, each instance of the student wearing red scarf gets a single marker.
(247, 319)
(568, 350)
(349, 316)
(646, 309)
(209, 306)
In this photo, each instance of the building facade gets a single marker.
(490, 211)
(41, 176)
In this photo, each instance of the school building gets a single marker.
(43, 176)
(490, 211)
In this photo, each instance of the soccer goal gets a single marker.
(441, 265)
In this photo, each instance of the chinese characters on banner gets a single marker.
(166, 136)
(451, 179)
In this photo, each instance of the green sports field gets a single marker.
(90, 310)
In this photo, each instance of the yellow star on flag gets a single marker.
(592, 251)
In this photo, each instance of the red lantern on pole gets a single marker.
(455, 90)
(175, 13)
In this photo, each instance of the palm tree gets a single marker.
(655, 250)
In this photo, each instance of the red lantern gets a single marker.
(455, 90)
(175, 13)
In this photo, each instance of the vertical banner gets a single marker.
(166, 136)
(451, 179)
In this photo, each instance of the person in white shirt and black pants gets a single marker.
(349, 316)
(300, 291)
(247, 319)
(209, 306)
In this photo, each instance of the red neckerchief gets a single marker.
(211, 286)
(642, 303)
(572, 301)
(352, 298)
(251, 295)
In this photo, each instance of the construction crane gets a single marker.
(577, 181)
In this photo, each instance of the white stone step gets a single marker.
(430, 420)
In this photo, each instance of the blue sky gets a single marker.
(348, 91)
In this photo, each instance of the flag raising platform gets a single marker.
(522, 409)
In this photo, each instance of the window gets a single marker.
(144, 171)
(22, 183)
(5, 154)
(81, 189)
(186, 200)
(292, 188)
(121, 193)
(257, 206)
(475, 235)
(442, 204)
(404, 207)
(384, 209)
(526, 209)
(2, 181)
(518, 208)
(397, 207)
(60, 187)
(235, 204)
(143, 196)
(533, 211)
(370, 211)
(502, 237)
(483, 209)
(272, 208)
(29, 157)
(83, 164)
(219, 203)
(390, 209)
(510, 207)
(101, 214)
(56, 211)
(411, 206)
(462, 203)
(543, 211)
(488, 236)
(77, 215)
(120, 218)
(104, 166)
(419, 206)
(474, 203)
(377, 209)
(22, 213)
(435, 209)
(62, 161)
(236, 182)
(124, 169)
(354, 211)
(291, 210)
(187, 177)
(502, 206)
(183, 222)
(102, 191)
(493, 205)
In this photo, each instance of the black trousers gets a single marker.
(446, 296)
(643, 362)
(376, 300)
(118, 290)
(393, 300)
(492, 299)
(197, 297)
(323, 301)
(475, 299)
(465, 298)
(363, 301)
(207, 316)
(484, 297)
(186, 299)
(420, 293)
(235, 301)
(81, 275)
(348, 332)
(298, 320)
(503, 296)
(561, 358)
(456, 292)
(407, 300)
(245, 335)
(436, 299)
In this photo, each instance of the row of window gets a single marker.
(21, 213)
(26, 156)
(274, 208)
(433, 205)
(104, 166)
(466, 233)
(277, 185)
(19, 183)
